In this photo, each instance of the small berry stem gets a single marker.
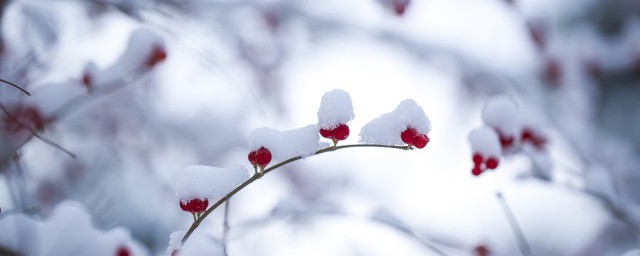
(265, 171)
(194, 216)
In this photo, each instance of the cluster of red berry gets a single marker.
(260, 158)
(22, 116)
(507, 142)
(527, 135)
(412, 137)
(537, 140)
(337, 133)
(482, 163)
(195, 205)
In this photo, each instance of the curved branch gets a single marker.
(256, 177)
(16, 86)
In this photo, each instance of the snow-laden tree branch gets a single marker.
(268, 170)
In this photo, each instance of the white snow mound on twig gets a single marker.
(387, 128)
(283, 145)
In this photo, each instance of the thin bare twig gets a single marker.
(16, 86)
(225, 228)
(522, 241)
(256, 177)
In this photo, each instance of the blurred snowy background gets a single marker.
(102, 90)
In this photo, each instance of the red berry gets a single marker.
(526, 135)
(400, 6)
(476, 170)
(553, 72)
(200, 205)
(506, 141)
(341, 132)
(539, 142)
(536, 140)
(252, 158)
(158, 54)
(123, 251)
(271, 19)
(477, 159)
(421, 141)
(492, 163)
(184, 206)
(263, 157)
(326, 133)
(87, 80)
(194, 205)
(481, 250)
(409, 135)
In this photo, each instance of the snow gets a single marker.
(335, 108)
(139, 48)
(67, 231)
(598, 181)
(201, 181)
(485, 141)
(175, 241)
(386, 129)
(51, 97)
(283, 145)
(200, 243)
(501, 113)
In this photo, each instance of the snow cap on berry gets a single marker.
(335, 109)
(201, 181)
(387, 128)
(283, 145)
(501, 112)
(485, 141)
(142, 44)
